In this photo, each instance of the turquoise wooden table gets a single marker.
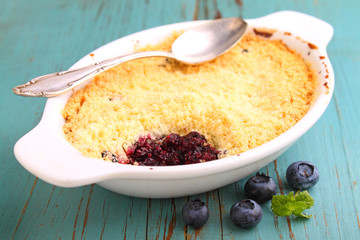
(41, 36)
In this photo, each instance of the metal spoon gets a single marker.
(197, 45)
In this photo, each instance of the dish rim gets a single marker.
(74, 175)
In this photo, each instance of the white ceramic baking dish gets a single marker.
(45, 152)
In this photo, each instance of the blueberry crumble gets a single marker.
(172, 149)
(239, 101)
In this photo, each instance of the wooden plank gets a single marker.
(164, 219)
(113, 216)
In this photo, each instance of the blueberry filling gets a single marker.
(109, 156)
(169, 150)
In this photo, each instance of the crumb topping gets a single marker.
(242, 99)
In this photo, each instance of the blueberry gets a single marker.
(246, 213)
(106, 155)
(195, 213)
(260, 188)
(302, 175)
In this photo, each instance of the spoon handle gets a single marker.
(54, 84)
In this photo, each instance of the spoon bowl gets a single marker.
(208, 41)
(197, 45)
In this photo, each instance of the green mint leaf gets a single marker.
(303, 201)
(305, 198)
(280, 205)
(285, 205)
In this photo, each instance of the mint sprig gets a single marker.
(285, 205)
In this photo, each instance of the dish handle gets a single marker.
(55, 161)
(308, 27)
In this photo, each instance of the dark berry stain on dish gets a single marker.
(171, 150)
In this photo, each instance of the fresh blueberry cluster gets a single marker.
(258, 190)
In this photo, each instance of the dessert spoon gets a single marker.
(197, 45)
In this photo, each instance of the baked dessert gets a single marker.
(240, 100)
